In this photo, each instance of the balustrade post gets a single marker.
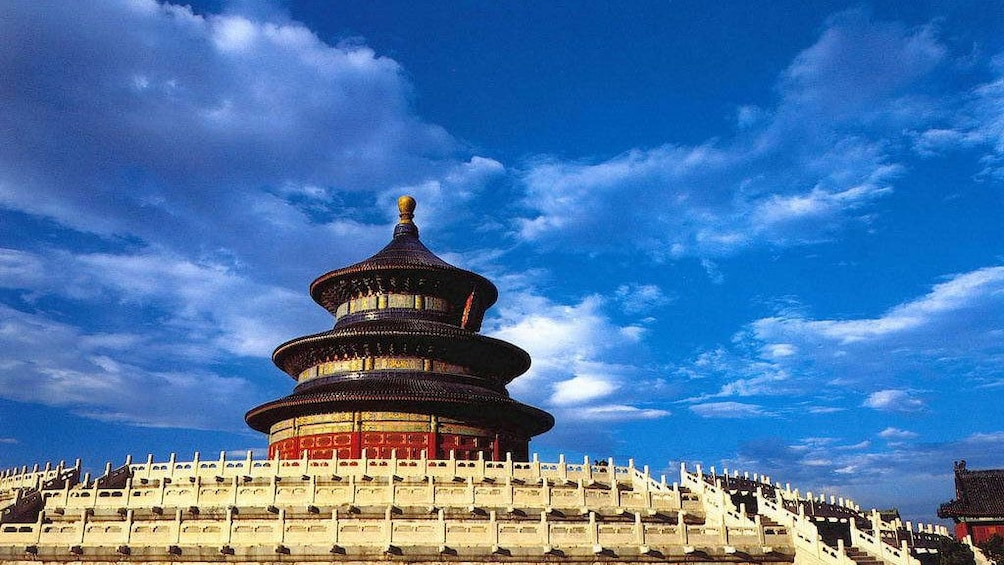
(545, 530)
(639, 529)
(612, 473)
(388, 528)
(38, 526)
(177, 525)
(594, 535)
(334, 526)
(160, 495)
(441, 520)
(229, 528)
(83, 526)
(66, 493)
(493, 520)
(681, 524)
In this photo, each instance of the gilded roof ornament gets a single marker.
(406, 205)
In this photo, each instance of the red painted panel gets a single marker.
(408, 445)
(983, 532)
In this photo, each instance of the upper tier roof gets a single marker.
(406, 263)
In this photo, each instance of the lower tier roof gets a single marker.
(477, 405)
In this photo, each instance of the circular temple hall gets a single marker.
(404, 372)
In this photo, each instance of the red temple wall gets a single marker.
(408, 445)
(979, 532)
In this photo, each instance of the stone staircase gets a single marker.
(861, 557)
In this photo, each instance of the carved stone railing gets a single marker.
(32, 478)
(338, 528)
(805, 536)
(717, 503)
(577, 498)
(532, 471)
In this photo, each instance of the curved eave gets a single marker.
(489, 355)
(489, 410)
(956, 509)
(463, 281)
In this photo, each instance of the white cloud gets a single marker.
(914, 477)
(19, 269)
(893, 400)
(732, 410)
(580, 356)
(611, 413)
(858, 65)
(581, 389)
(957, 323)
(210, 302)
(896, 434)
(968, 291)
(213, 133)
(57, 364)
(794, 175)
(641, 298)
(952, 330)
(714, 272)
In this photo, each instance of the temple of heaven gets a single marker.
(404, 370)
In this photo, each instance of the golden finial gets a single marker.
(406, 205)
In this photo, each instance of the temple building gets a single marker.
(978, 507)
(404, 370)
(400, 443)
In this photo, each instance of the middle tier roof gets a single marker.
(484, 356)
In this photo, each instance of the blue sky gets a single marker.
(763, 236)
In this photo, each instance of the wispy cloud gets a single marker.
(896, 434)
(215, 133)
(637, 298)
(894, 400)
(732, 410)
(913, 476)
(953, 329)
(61, 365)
(817, 169)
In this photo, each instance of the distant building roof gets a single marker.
(978, 494)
